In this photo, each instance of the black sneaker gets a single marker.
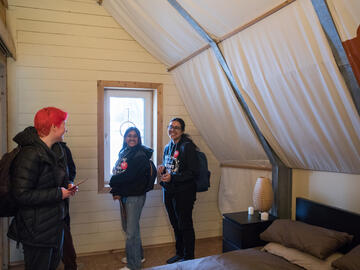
(174, 259)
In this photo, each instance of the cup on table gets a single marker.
(264, 216)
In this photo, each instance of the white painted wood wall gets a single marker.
(63, 48)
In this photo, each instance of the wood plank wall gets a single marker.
(63, 48)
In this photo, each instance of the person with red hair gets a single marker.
(39, 181)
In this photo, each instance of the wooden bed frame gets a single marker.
(329, 217)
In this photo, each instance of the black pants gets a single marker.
(42, 258)
(69, 254)
(179, 206)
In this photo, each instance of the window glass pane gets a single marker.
(124, 113)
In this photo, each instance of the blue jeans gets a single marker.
(131, 226)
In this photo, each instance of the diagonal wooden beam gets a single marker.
(281, 175)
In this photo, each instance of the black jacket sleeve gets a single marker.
(25, 172)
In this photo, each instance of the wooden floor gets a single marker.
(154, 256)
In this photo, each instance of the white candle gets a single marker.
(264, 216)
(251, 210)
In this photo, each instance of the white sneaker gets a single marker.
(124, 260)
(125, 268)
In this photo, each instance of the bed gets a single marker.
(328, 224)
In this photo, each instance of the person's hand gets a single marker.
(66, 193)
(166, 177)
(73, 189)
(116, 197)
(160, 169)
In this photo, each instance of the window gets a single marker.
(121, 105)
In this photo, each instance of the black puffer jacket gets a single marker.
(184, 165)
(37, 175)
(133, 181)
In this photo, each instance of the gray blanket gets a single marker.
(246, 259)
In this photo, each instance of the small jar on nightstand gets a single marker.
(241, 230)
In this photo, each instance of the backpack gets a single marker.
(151, 177)
(202, 180)
(8, 206)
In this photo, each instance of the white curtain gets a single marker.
(215, 111)
(236, 188)
(158, 27)
(295, 91)
(222, 17)
(346, 15)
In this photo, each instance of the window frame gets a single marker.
(157, 91)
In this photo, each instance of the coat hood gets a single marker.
(28, 136)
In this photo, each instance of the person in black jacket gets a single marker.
(180, 166)
(128, 185)
(69, 253)
(39, 186)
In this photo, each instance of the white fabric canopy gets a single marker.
(283, 65)
(222, 17)
(216, 112)
(295, 91)
(157, 26)
(346, 15)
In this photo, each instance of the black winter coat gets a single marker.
(133, 181)
(185, 166)
(37, 175)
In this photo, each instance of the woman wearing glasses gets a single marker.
(180, 165)
(129, 186)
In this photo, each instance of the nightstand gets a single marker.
(241, 230)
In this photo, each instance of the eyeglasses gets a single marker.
(132, 136)
(174, 127)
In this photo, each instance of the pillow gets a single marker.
(302, 259)
(350, 261)
(315, 240)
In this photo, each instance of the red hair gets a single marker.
(47, 117)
